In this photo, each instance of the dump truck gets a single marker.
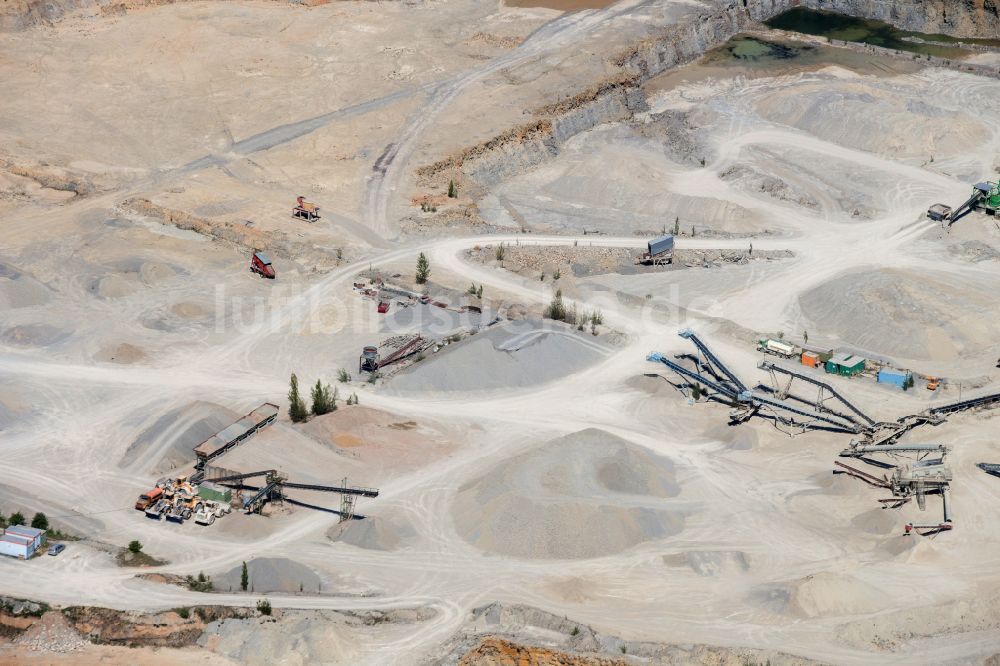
(305, 210)
(148, 499)
(658, 251)
(939, 212)
(261, 265)
(776, 347)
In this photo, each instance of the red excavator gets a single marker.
(261, 265)
(305, 210)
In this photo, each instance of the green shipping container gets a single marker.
(846, 365)
(215, 492)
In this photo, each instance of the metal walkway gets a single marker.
(771, 367)
(688, 334)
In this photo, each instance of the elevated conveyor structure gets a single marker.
(688, 334)
(990, 468)
(968, 204)
(343, 490)
(253, 503)
(823, 386)
(693, 376)
(861, 450)
(963, 405)
(756, 399)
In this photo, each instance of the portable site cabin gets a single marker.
(824, 355)
(895, 377)
(811, 359)
(21, 542)
(845, 364)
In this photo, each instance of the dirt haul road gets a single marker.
(708, 533)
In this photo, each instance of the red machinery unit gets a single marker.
(383, 307)
(261, 265)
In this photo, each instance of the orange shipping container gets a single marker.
(811, 359)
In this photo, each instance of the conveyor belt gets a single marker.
(690, 335)
(989, 468)
(754, 398)
(968, 205)
(343, 490)
(767, 365)
(240, 477)
(962, 405)
(694, 376)
(260, 495)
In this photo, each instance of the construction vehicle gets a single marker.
(939, 212)
(776, 347)
(210, 511)
(383, 307)
(932, 383)
(158, 510)
(261, 265)
(305, 210)
(659, 251)
(182, 506)
(148, 499)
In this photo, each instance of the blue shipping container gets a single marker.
(660, 245)
(889, 376)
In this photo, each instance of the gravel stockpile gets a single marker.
(168, 443)
(517, 354)
(588, 494)
(272, 574)
(18, 290)
(906, 314)
(375, 533)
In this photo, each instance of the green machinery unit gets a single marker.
(985, 197)
(990, 200)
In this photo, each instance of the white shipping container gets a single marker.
(15, 549)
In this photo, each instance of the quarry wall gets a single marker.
(958, 18)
